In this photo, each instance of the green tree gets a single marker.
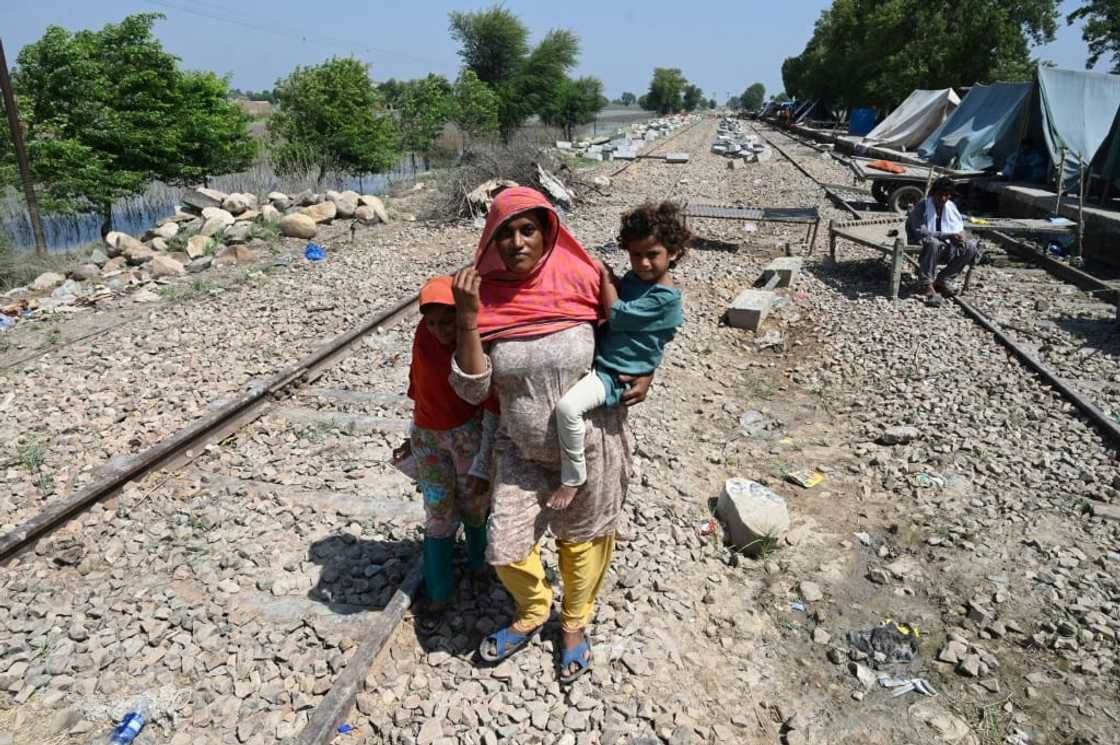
(475, 108)
(666, 91)
(213, 135)
(331, 117)
(391, 91)
(106, 112)
(712, 103)
(576, 102)
(493, 43)
(541, 78)
(425, 107)
(1100, 30)
(628, 99)
(692, 97)
(753, 97)
(873, 42)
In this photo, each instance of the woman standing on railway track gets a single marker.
(532, 299)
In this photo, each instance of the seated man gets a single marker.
(936, 224)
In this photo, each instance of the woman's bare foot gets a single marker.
(572, 639)
(562, 497)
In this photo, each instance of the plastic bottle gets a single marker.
(129, 728)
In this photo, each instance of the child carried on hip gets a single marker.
(644, 311)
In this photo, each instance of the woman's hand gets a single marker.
(639, 388)
(465, 289)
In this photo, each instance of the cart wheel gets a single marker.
(881, 190)
(905, 197)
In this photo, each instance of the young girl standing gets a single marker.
(447, 443)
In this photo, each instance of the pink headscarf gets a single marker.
(561, 291)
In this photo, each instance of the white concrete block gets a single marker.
(749, 309)
(788, 268)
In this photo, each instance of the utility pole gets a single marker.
(21, 155)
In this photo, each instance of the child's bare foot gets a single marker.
(562, 497)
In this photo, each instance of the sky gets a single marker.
(721, 45)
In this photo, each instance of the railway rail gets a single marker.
(1108, 425)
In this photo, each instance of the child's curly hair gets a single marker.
(664, 221)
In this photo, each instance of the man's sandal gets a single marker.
(506, 641)
(580, 656)
(945, 290)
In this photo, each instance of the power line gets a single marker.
(216, 14)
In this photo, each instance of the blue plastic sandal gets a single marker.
(581, 656)
(506, 642)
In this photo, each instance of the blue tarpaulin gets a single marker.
(983, 131)
(862, 122)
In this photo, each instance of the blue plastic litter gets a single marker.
(799, 607)
(6, 322)
(314, 252)
(128, 729)
(345, 729)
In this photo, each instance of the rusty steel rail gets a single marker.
(181, 445)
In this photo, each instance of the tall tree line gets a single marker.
(874, 52)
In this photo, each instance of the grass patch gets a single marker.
(269, 232)
(20, 268)
(196, 288)
(52, 338)
(33, 456)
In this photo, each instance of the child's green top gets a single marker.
(642, 321)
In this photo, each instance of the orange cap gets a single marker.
(437, 291)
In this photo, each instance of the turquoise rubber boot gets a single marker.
(476, 546)
(438, 576)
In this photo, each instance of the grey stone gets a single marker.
(899, 435)
(749, 309)
(755, 516)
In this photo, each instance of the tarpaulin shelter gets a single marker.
(816, 109)
(911, 123)
(983, 131)
(1077, 111)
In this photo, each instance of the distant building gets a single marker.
(254, 108)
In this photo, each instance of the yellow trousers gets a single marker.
(582, 568)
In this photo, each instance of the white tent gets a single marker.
(914, 120)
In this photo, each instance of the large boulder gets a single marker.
(366, 215)
(197, 200)
(375, 203)
(97, 257)
(200, 264)
(158, 244)
(298, 226)
(345, 202)
(164, 266)
(270, 214)
(321, 212)
(279, 200)
(85, 272)
(248, 216)
(234, 255)
(236, 203)
(138, 254)
(216, 223)
(114, 266)
(239, 232)
(210, 212)
(304, 198)
(116, 242)
(47, 281)
(167, 231)
(198, 245)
